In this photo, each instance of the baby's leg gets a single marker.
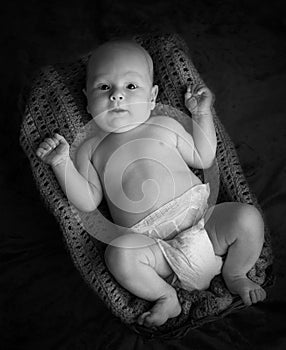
(138, 264)
(238, 230)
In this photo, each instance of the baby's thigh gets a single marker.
(223, 223)
(132, 250)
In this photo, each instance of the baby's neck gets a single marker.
(124, 134)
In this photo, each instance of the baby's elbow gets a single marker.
(208, 162)
(93, 200)
(90, 209)
(86, 208)
(89, 206)
(204, 162)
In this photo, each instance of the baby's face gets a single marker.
(119, 88)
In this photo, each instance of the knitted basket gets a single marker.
(56, 104)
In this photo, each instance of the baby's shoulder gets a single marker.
(161, 119)
(164, 120)
(165, 128)
(89, 145)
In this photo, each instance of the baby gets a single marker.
(171, 241)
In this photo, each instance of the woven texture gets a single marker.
(56, 104)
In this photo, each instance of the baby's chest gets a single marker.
(141, 154)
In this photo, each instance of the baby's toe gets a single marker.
(152, 321)
(141, 318)
(261, 294)
(257, 295)
(254, 296)
(246, 298)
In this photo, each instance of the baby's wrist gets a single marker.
(60, 163)
(203, 114)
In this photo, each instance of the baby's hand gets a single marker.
(53, 150)
(198, 100)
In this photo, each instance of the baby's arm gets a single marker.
(199, 103)
(82, 189)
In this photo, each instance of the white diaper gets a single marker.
(178, 228)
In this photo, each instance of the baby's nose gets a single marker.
(116, 96)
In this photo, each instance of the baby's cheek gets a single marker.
(97, 107)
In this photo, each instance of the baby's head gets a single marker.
(119, 86)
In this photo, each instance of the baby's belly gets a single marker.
(143, 189)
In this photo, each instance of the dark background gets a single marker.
(239, 49)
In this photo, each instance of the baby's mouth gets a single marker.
(119, 110)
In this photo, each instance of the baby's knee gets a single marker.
(250, 220)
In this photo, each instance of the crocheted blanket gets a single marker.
(56, 104)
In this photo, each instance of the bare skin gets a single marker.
(149, 263)
(120, 98)
(242, 231)
(166, 307)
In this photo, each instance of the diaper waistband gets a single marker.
(196, 197)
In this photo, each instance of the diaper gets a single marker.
(178, 229)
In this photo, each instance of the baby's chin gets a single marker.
(119, 123)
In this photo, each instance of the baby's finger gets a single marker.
(45, 146)
(51, 142)
(191, 104)
(195, 88)
(188, 93)
(40, 152)
(60, 138)
(200, 90)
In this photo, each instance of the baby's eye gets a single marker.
(104, 87)
(131, 86)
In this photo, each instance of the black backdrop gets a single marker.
(239, 49)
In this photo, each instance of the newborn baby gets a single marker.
(140, 163)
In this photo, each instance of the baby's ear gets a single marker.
(154, 93)
(84, 91)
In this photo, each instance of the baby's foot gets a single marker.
(165, 308)
(249, 291)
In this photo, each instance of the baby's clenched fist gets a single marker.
(53, 150)
(198, 100)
